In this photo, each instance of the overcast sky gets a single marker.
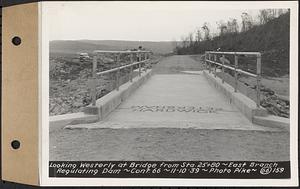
(147, 21)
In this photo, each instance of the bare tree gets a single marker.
(265, 15)
(222, 27)
(206, 30)
(247, 21)
(232, 26)
(198, 35)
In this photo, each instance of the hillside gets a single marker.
(74, 46)
(271, 39)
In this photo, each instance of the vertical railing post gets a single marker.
(209, 58)
(205, 60)
(145, 64)
(235, 72)
(258, 79)
(223, 72)
(118, 72)
(93, 88)
(143, 59)
(215, 59)
(131, 67)
(140, 68)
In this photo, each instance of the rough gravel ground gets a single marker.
(168, 144)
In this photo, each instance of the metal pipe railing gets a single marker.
(120, 52)
(209, 62)
(232, 68)
(234, 53)
(118, 69)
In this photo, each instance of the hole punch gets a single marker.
(16, 40)
(15, 144)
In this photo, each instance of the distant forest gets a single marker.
(270, 35)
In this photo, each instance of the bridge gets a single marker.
(178, 97)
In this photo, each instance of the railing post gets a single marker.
(143, 59)
(209, 58)
(215, 59)
(118, 73)
(235, 72)
(223, 72)
(148, 58)
(118, 79)
(140, 68)
(258, 80)
(131, 67)
(93, 88)
(205, 60)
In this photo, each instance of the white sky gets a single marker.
(147, 21)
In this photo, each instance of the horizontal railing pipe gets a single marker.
(117, 54)
(234, 68)
(233, 53)
(120, 52)
(121, 67)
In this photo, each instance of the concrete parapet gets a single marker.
(91, 110)
(112, 100)
(243, 103)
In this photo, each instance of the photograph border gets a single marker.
(44, 122)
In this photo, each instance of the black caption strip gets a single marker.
(170, 169)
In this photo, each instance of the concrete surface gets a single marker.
(273, 122)
(176, 101)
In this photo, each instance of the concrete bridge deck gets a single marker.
(173, 98)
(144, 127)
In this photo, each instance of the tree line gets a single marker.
(203, 38)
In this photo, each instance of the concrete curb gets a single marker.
(74, 118)
(247, 106)
(112, 100)
(242, 102)
(273, 121)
